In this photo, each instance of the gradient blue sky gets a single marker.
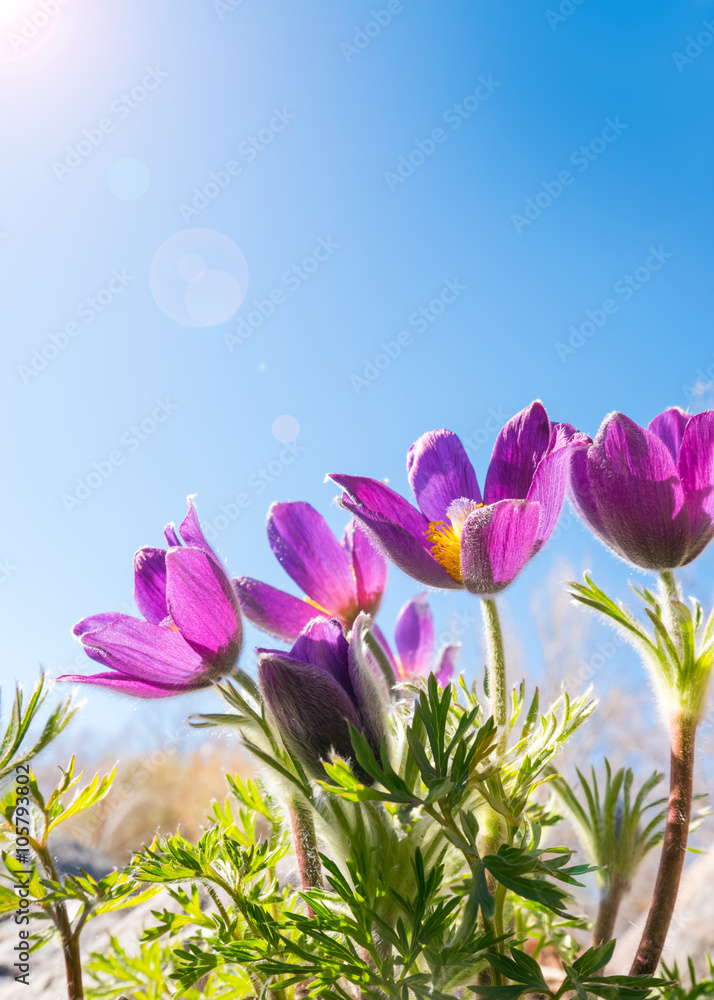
(350, 116)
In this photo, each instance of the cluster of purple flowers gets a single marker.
(648, 494)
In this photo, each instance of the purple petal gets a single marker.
(496, 543)
(414, 636)
(127, 685)
(445, 665)
(638, 493)
(376, 498)
(311, 709)
(439, 472)
(368, 565)
(203, 606)
(696, 468)
(381, 639)
(404, 549)
(581, 492)
(275, 612)
(551, 476)
(150, 583)
(146, 652)
(312, 557)
(172, 539)
(190, 530)
(322, 645)
(95, 621)
(520, 445)
(669, 428)
(369, 686)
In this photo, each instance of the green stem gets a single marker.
(607, 911)
(496, 668)
(683, 730)
(305, 846)
(70, 940)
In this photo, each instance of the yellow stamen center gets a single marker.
(446, 538)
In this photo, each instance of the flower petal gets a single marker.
(496, 543)
(172, 539)
(94, 622)
(370, 688)
(377, 498)
(696, 468)
(147, 652)
(404, 549)
(126, 685)
(322, 645)
(203, 606)
(150, 583)
(414, 637)
(271, 610)
(311, 555)
(368, 565)
(638, 493)
(439, 472)
(445, 664)
(520, 445)
(311, 709)
(669, 428)
(551, 476)
(190, 530)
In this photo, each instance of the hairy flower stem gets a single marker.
(496, 668)
(683, 729)
(607, 911)
(305, 845)
(68, 937)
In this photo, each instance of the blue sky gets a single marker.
(330, 165)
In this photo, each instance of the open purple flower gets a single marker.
(649, 494)
(414, 639)
(456, 537)
(341, 579)
(192, 631)
(320, 686)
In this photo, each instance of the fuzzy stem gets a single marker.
(607, 911)
(496, 668)
(305, 846)
(683, 729)
(69, 939)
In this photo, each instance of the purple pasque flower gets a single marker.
(341, 579)
(414, 639)
(649, 493)
(456, 537)
(320, 686)
(192, 632)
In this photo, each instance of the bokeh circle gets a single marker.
(199, 277)
(285, 428)
(128, 178)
